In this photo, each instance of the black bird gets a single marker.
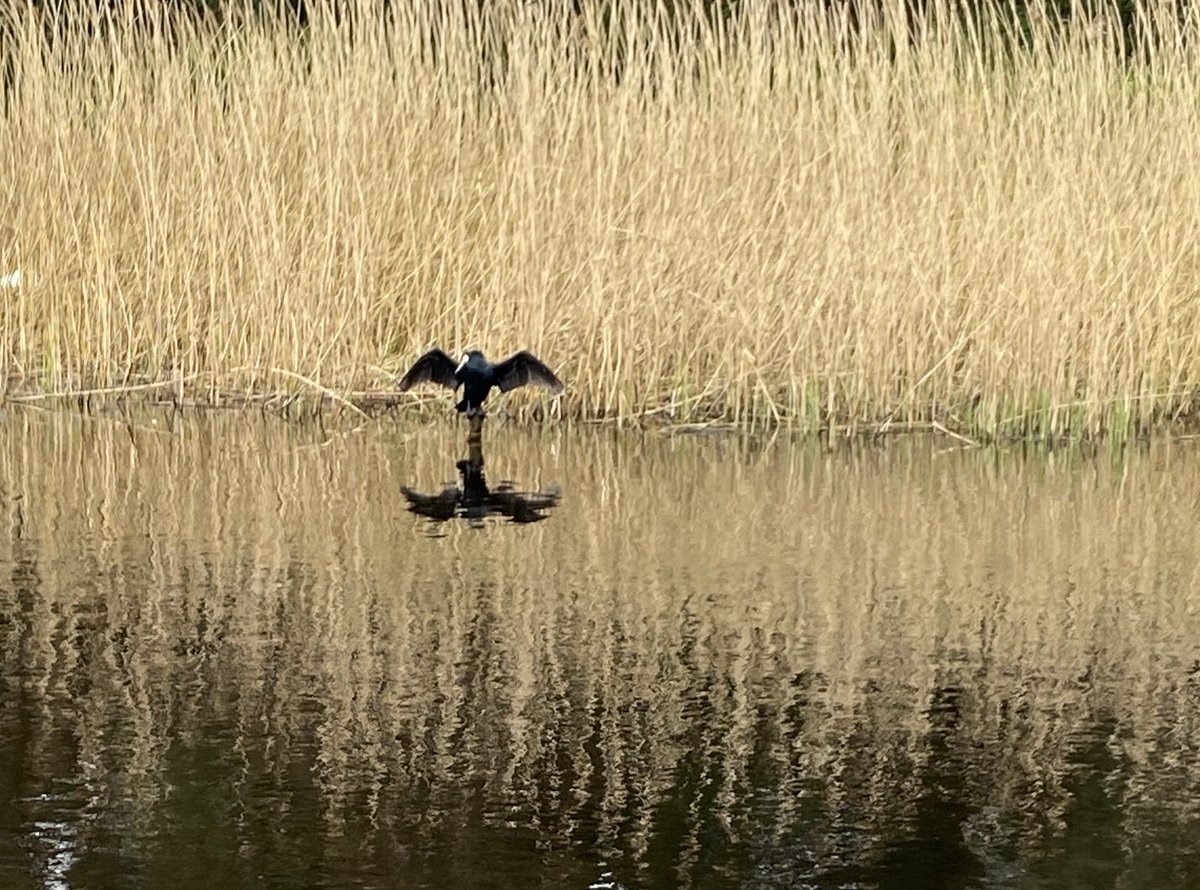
(476, 375)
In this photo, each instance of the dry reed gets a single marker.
(778, 218)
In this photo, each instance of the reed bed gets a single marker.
(824, 218)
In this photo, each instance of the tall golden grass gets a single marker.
(794, 215)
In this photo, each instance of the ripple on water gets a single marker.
(237, 660)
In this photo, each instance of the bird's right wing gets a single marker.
(433, 367)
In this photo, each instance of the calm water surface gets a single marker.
(232, 657)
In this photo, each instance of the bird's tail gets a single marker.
(461, 406)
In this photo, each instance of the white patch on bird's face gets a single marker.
(466, 358)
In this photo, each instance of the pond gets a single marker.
(237, 653)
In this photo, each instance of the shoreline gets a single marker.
(370, 405)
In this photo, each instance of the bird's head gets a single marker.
(470, 357)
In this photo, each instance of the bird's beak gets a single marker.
(463, 362)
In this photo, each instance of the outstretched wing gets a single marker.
(433, 367)
(522, 368)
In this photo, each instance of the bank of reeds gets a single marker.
(791, 214)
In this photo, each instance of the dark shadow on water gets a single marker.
(474, 501)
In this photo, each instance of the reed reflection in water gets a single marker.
(232, 657)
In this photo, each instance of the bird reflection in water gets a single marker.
(473, 500)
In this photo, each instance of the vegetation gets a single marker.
(786, 214)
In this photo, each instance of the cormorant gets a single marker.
(476, 375)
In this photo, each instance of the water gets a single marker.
(232, 657)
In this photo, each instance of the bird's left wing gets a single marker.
(433, 367)
(522, 368)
